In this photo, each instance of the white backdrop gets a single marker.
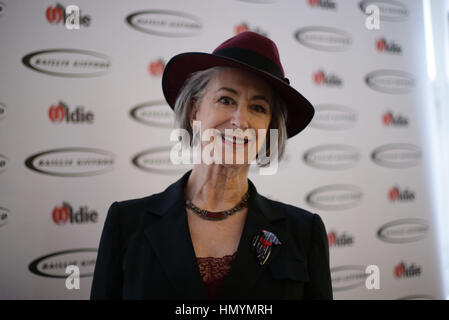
(83, 123)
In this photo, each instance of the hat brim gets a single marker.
(178, 69)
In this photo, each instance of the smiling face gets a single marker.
(235, 99)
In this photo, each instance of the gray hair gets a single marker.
(193, 92)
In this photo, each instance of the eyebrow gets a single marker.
(259, 97)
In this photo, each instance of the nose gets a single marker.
(240, 116)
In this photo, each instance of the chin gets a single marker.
(235, 166)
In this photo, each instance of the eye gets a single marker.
(259, 108)
(225, 100)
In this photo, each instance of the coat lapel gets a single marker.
(246, 270)
(171, 241)
(170, 238)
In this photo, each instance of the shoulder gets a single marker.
(142, 210)
(306, 230)
(294, 214)
(156, 203)
(134, 205)
(131, 212)
(301, 222)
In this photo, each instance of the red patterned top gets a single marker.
(213, 272)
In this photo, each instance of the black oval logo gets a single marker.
(155, 114)
(157, 160)
(332, 157)
(399, 155)
(2, 8)
(390, 10)
(390, 81)
(418, 297)
(348, 277)
(54, 265)
(3, 163)
(324, 38)
(403, 231)
(165, 23)
(335, 197)
(3, 110)
(70, 63)
(333, 117)
(5, 215)
(71, 162)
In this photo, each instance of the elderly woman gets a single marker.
(211, 234)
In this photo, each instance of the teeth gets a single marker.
(231, 139)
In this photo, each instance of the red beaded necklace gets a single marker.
(220, 215)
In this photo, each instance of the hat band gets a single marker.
(253, 59)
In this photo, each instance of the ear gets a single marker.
(193, 111)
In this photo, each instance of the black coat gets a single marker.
(146, 252)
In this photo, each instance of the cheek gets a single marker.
(263, 124)
(214, 119)
(261, 140)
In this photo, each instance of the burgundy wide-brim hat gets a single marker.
(249, 51)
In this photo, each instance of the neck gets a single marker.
(216, 187)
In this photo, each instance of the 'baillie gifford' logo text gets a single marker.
(390, 81)
(71, 162)
(157, 160)
(334, 117)
(154, 114)
(53, 265)
(335, 197)
(348, 277)
(332, 157)
(165, 23)
(68, 63)
(391, 10)
(403, 231)
(397, 155)
(323, 38)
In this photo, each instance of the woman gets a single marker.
(211, 234)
